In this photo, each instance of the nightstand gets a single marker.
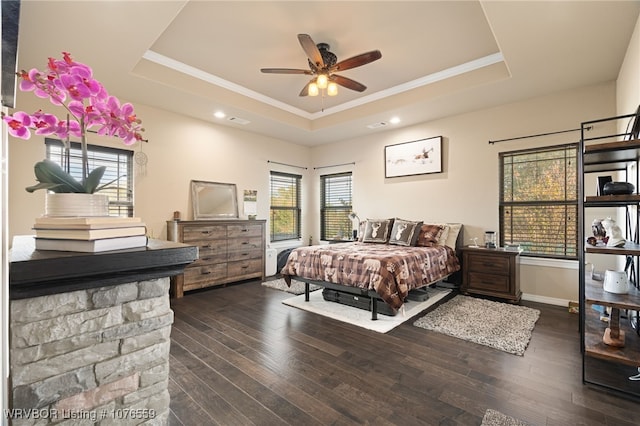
(491, 272)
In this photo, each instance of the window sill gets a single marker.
(549, 263)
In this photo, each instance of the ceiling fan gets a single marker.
(323, 64)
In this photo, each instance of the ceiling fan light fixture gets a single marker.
(332, 89)
(322, 81)
(313, 89)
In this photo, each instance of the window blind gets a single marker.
(335, 206)
(118, 173)
(539, 201)
(285, 211)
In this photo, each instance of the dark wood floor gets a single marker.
(241, 357)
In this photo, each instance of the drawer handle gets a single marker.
(245, 230)
(206, 232)
(205, 272)
(244, 243)
(205, 258)
(207, 246)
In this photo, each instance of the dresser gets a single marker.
(491, 272)
(228, 251)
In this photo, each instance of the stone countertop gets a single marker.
(35, 273)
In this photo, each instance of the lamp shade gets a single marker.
(332, 89)
(322, 81)
(313, 89)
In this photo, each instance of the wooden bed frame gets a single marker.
(453, 280)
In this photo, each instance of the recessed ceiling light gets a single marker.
(394, 120)
(219, 114)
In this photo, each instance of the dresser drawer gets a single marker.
(489, 282)
(205, 273)
(244, 230)
(245, 267)
(244, 255)
(488, 264)
(205, 232)
(244, 244)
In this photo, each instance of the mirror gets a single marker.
(213, 200)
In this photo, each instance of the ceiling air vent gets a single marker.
(377, 125)
(237, 120)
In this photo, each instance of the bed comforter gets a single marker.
(390, 270)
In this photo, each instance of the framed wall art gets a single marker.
(413, 158)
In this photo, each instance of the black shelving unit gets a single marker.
(610, 365)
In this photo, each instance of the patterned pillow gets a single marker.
(377, 230)
(429, 235)
(404, 232)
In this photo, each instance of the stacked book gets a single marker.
(89, 234)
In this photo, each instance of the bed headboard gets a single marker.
(460, 239)
(456, 277)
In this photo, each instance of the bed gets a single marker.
(388, 262)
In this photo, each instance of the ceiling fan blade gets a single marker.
(348, 83)
(284, 71)
(357, 61)
(310, 48)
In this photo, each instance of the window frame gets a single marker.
(569, 203)
(347, 223)
(122, 159)
(295, 208)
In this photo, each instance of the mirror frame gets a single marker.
(198, 185)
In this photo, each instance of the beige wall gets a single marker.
(628, 83)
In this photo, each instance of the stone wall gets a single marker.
(97, 356)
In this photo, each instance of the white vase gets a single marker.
(72, 204)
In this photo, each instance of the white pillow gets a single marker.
(452, 235)
(449, 234)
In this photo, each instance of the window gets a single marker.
(539, 201)
(285, 206)
(335, 206)
(119, 163)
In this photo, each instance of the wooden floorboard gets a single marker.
(241, 357)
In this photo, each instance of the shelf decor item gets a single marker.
(618, 188)
(614, 232)
(70, 85)
(615, 282)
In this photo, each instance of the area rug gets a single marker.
(496, 418)
(499, 325)
(297, 287)
(361, 317)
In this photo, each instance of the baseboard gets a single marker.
(545, 299)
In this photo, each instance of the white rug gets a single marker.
(496, 418)
(361, 317)
(499, 325)
(297, 287)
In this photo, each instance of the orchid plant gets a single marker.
(70, 84)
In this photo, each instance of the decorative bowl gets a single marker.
(618, 188)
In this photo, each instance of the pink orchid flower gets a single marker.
(18, 124)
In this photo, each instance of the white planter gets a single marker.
(71, 204)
